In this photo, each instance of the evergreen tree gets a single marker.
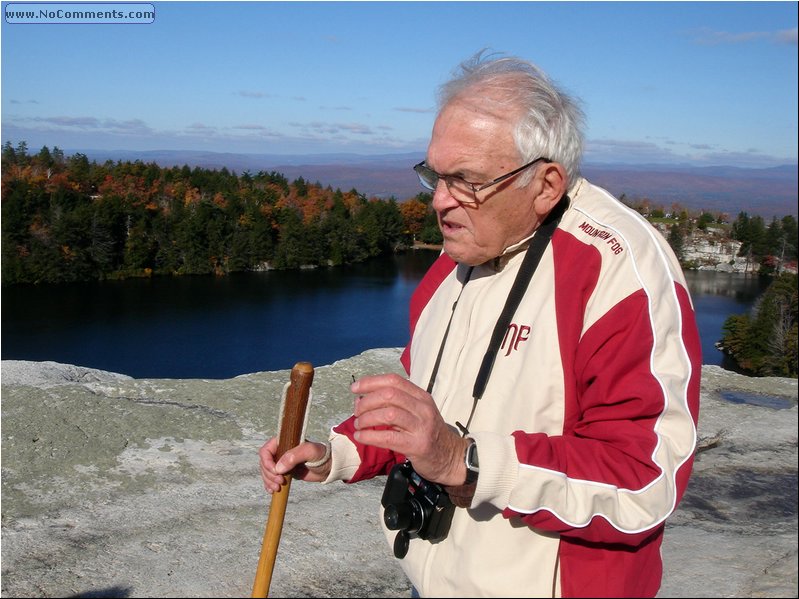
(676, 240)
(765, 342)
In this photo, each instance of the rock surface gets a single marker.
(118, 487)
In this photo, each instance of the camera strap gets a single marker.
(446, 332)
(531, 260)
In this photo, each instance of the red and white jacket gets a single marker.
(587, 428)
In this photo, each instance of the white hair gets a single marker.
(549, 122)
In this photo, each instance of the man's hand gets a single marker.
(413, 427)
(293, 462)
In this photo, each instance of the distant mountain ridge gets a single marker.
(768, 192)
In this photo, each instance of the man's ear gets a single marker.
(554, 183)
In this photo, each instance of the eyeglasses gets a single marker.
(460, 189)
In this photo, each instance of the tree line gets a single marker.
(70, 219)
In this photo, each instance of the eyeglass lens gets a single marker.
(461, 190)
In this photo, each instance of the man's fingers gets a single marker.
(394, 417)
(394, 440)
(387, 383)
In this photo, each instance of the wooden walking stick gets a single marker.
(292, 421)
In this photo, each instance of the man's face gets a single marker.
(478, 146)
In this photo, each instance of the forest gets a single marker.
(67, 219)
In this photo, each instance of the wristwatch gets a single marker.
(462, 495)
(472, 465)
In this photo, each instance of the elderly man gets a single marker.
(555, 339)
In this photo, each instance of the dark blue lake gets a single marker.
(219, 327)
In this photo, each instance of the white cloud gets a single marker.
(710, 37)
(252, 94)
(643, 152)
(414, 110)
(85, 123)
(787, 36)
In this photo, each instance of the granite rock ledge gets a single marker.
(122, 487)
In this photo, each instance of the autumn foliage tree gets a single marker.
(414, 212)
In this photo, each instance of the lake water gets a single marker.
(717, 296)
(219, 327)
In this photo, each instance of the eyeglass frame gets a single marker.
(474, 187)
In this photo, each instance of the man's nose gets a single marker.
(442, 198)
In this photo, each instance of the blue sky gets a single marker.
(700, 83)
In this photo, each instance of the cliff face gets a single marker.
(713, 250)
(709, 253)
(121, 487)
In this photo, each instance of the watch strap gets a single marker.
(462, 495)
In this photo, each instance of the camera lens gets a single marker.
(397, 517)
(405, 516)
(417, 516)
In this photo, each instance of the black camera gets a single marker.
(415, 506)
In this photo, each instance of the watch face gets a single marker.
(471, 464)
(471, 458)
